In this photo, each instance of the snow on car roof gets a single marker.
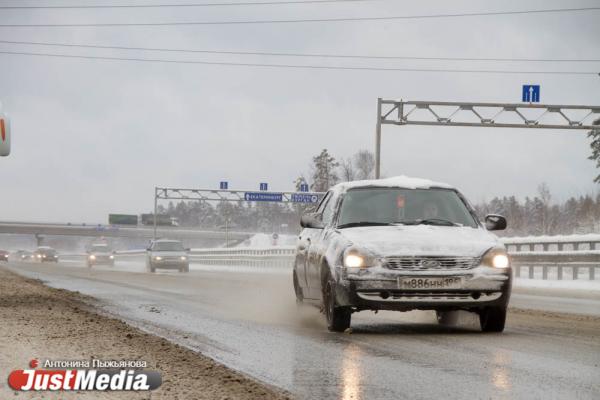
(401, 181)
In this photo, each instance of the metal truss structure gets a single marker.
(486, 115)
(163, 193)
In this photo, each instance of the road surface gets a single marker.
(248, 321)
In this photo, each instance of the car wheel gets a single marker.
(447, 318)
(298, 290)
(338, 318)
(492, 319)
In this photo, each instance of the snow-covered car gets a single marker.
(100, 253)
(167, 254)
(45, 254)
(401, 244)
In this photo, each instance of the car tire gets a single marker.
(297, 290)
(447, 318)
(492, 319)
(338, 318)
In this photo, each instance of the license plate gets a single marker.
(450, 282)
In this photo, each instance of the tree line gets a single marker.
(537, 215)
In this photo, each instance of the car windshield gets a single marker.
(101, 248)
(370, 206)
(167, 246)
(47, 251)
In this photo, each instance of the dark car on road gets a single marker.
(167, 254)
(45, 254)
(401, 244)
(100, 253)
(4, 255)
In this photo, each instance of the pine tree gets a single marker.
(324, 172)
(595, 145)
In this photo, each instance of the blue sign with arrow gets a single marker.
(304, 198)
(531, 93)
(260, 196)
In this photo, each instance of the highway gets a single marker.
(247, 319)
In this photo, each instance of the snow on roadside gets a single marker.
(578, 284)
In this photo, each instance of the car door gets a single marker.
(305, 241)
(317, 248)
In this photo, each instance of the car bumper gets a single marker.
(479, 288)
(169, 264)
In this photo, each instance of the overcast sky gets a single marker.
(92, 137)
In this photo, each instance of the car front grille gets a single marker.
(428, 263)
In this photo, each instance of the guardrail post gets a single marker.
(575, 272)
(545, 272)
(592, 273)
(531, 271)
(545, 246)
(593, 246)
(518, 271)
(560, 246)
(559, 273)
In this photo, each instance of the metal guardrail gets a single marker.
(577, 263)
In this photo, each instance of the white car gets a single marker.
(167, 254)
(401, 244)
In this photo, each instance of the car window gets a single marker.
(167, 246)
(396, 205)
(328, 211)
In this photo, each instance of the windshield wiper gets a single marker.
(429, 221)
(362, 223)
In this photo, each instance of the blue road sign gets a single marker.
(304, 187)
(264, 186)
(223, 185)
(258, 196)
(531, 93)
(304, 198)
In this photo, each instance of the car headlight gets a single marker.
(43, 256)
(357, 259)
(183, 258)
(111, 257)
(92, 257)
(496, 257)
(158, 258)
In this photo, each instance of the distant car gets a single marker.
(401, 244)
(22, 255)
(100, 253)
(167, 254)
(3, 255)
(45, 254)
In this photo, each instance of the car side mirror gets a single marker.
(187, 249)
(494, 222)
(311, 220)
(148, 249)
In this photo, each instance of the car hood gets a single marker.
(421, 240)
(169, 253)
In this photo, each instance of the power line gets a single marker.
(323, 67)
(315, 55)
(287, 21)
(244, 3)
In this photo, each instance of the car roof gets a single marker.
(402, 181)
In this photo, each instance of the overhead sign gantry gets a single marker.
(484, 115)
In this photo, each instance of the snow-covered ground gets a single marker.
(263, 240)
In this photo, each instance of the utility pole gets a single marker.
(378, 141)
(155, 209)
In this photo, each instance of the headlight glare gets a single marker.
(496, 258)
(354, 261)
(158, 258)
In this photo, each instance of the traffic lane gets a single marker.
(250, 322)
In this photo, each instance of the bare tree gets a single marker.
(364, 162)
(347, 171)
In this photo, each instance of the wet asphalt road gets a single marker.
(248, 320)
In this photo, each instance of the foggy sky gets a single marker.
(95, 137)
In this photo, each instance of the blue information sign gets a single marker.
(304, 187)
(258, 196)
(531, 93)
(264, 186)
(223, 185)
(304, 198)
